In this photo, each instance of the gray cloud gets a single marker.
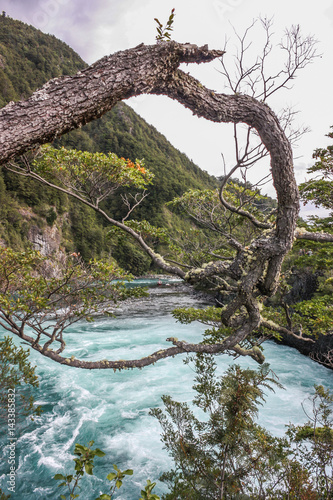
(76, 22)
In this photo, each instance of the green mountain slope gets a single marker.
(29, 58)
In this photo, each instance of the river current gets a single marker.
(113, 408)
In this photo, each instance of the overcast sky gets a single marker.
(100, 27)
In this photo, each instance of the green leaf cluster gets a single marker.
(226, 454)
(47, 304)
(17, 374)
(319, 190)
(208, 237)
(95, 175)
(84, 464)
(118, 476)
(313, 441)
(147, 494)
(221, 455)
(145, 229)
(312, 314)
(164, 33)
(126, 134)
(208, 316)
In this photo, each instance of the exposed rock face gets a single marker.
(304, 285)
(46, 241)
(320, 351)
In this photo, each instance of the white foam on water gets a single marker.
(43, 491)
(49, 462)
(90, 416)
(130, 414)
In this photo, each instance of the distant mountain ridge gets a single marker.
(31, 213)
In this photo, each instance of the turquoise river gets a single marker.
(113, 408)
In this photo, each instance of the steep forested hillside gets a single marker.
(29, 58)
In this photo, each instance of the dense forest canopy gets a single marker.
(29, 58)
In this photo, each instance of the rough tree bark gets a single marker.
(69, 102)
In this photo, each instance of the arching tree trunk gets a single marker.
(69, 102)
(66, 103)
